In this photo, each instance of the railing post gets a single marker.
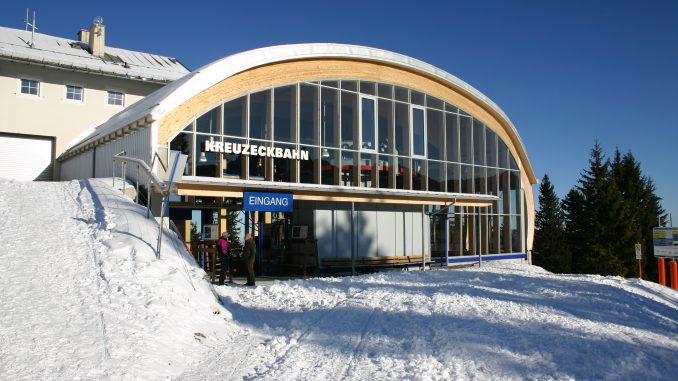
(114, 172)
(673, 266)
(137, 194)
(124, 181)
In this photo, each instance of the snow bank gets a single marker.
(83, 294)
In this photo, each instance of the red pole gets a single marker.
(662, 271)
(640, 269)
(673, 265)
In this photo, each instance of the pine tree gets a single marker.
(551, 251)
(576, 229)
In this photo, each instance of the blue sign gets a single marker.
(267, 202)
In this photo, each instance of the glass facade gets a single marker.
(369, 135)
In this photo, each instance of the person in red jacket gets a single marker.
(224, 258)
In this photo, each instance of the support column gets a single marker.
(673, 265)
(662, 271)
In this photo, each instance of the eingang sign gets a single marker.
(254, 150)
(267, 202)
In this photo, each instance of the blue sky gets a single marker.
(565, 72)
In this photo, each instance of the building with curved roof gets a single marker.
(383, 155)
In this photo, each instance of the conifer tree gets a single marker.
(576, 229)
(551, 251)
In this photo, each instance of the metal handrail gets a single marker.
(154, 179)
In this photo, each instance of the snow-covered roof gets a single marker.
(159, 103)
(73, 55)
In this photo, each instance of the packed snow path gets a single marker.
(499, 322)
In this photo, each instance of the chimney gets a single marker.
(83, 36)
(97, 34)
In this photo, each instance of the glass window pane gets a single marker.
(231, 163)
(492, 183)
(184, 144)
(234, 117)
(308, 114)
(436, 176)
(514, 187)
(417, 98)
(402, 94)
(283, 167)
(515, 235)
(385, 171)
(435, 131)
(512, 161)
(334, 84)
(367, 118)
(209, 122)
(284, 113)
(349, 114)
(115, 98)
(503, 195)
(480, 180)
(385, 91)
(207, 164)
(465, 140)
(29, 86)
(348, 168)
(434, 102)
(329, 117)
(478, 143)
(349, 85)
(258, 164)
(385, 118)
(491, 147)
(451, 108)
(367, 170)
(402, 133)
(259, 111)
(419, 174)
(452, 137)
(403, 174)
(453, 172)
(329, 166)
(418, 132)
(367, 88)
(466, 178)
(307, 172)
(502, 153)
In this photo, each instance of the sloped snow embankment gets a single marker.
(82, 293)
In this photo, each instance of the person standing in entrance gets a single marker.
(249, 253)
(224, 258)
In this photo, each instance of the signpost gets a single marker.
(665, 242)
(639, 257)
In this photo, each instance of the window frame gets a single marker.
(108, 95)
(74, 86)
(375, 122)
(37, 87)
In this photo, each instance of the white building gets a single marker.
(54, 89)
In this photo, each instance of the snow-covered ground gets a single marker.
(82, 296)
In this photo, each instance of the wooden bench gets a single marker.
(300, 255)
(372, 262)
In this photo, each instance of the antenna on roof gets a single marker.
(33, 27)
